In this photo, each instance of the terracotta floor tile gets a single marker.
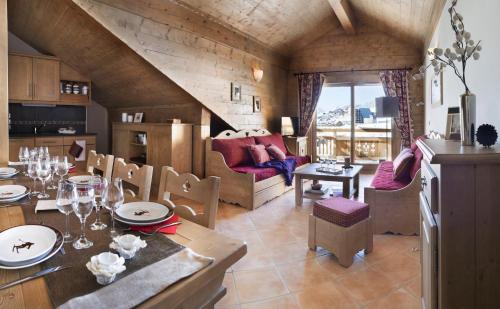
(230, 298)
(414, 287)
(331, 264)
(254, 285)
(399, 267)
(396, 300)
(293, 252)
(258, 256)
(367, 285)
(298, 276)
(283, 302)
(276, 236)
(383, 246)
(327, 295)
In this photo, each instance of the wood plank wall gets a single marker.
(199, 55)
(4, 103)
(368, 49)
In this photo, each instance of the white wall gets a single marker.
(483, 76)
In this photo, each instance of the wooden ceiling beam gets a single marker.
(344, 13)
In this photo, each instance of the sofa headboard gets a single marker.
(228, 134)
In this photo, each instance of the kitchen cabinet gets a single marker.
(16, 143)
(46, 80)
(20, 78)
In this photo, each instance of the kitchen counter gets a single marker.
(47, 134)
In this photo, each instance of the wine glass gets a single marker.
(32, 167)
(43, 170)
(53, 166)
(34, 153)
(66, 197)
(113, 198)
(99, 184)
(24, 155)
(43, 152)
(82, 209)
(62, 167)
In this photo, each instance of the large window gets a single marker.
(347, 125)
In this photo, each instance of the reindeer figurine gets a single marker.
(24, 244)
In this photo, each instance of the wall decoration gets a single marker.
(138, 117)
(257, 104)
(437, 90)
(235, 92)
(486, 135)
(453, 124)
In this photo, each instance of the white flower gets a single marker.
(470, 42)
(476, 56)
(459, 37)
(422, 69)
(438, 51)
(459, 58)
(434, 62)
(467, 35)
(460, 17)
(460, 27)
(455, 45)
(453, 56)
(479, 48)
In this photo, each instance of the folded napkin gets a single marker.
(42, 205)
(15, 163)
(152, 228)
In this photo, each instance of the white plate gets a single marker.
(81, 179)
(7, 171)
(25, 244)
(170, 215)
(5, 176)
(17, 198)
(11, 191)
(142, 212)
(57, 246)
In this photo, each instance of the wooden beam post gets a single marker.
(344, 13)
(4, 86)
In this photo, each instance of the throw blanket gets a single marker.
(285, 167)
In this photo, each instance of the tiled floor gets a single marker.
(279, 271)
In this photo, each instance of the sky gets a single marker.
(333, 97)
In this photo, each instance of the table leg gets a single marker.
(299, 191)
(356, 185)
(346, 188)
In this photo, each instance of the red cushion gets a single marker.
(341, 211)
(275, 152)
(300, 160)
(275, 139)
(260, 173)
(383, 179)
(258, 153)
(234, 150)
(417, 162)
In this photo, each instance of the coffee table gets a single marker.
(349, 179)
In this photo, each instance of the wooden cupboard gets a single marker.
(16, 143)
(20, 78)
(46, 79)
(296, 145)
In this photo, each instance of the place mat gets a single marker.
(77, 280)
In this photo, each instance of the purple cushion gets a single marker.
(275, 139)
(234, 150)
(341, 211)
(383, 179)
(416, 163)
(301, 160)
(402, 164)
(260, 173)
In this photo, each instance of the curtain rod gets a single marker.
(354, 70)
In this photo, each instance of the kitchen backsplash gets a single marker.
(24, 118)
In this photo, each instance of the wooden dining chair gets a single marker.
(139, 177)
(188, 186)
(100, 162)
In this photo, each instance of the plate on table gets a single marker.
(142, 212)
(11, 191)
(81, 179)
(26, 244)
(7, 176)
(7, 171)
(170, 215)
(53, 250)
(14, 199)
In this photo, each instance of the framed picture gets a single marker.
(453, 124)
(235, 92)
(437, 89)
(257, 104)
(138, 117)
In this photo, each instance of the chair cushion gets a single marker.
(258, 153)
(301, 160)
(417, 162)
(260, 173)
(275, 139)
(275, 152)
(402, 164)
(234, 150)
(383, 179)
(341, 211)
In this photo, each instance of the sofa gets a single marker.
(242, 183)
(394, 204)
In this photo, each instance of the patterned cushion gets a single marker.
(341, 211)
(275, 152)
(402, 164)
(416, 163)
(258, 153)
(234, 150)
(383, 179)
(260, 173)
(275, 139)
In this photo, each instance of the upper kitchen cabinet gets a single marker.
(20, 78)
(46, 79)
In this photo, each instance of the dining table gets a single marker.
(202, 289)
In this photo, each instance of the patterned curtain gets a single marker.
(310, 86)
(395, 83)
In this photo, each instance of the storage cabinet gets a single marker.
(20, 78)
(428, 234)
(46, 80)
(296, 145)
(16, 143)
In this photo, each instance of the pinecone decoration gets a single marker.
(486, 135)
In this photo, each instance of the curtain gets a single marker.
(310, 85)
(395, 83)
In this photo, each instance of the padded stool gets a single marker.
(341, 226)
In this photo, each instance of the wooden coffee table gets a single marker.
(349, 179)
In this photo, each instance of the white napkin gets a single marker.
(81, 143)
(15, 163)
(42, 205)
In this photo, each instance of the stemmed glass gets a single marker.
(82, 209)
(99, 184)
(62, 167)
(32, 167)
(66, 197)
(43, 152)
(34, 153)
(43, 170)
(113, 198)
(24, 155)
(53, 166)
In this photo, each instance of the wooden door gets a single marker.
(429, 257)
(46, 79)
(20, 78)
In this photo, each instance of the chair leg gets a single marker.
(369, 236)
(311, 239)
(346, 260)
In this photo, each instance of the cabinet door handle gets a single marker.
(423, 182)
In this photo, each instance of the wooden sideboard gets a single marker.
(460, 225)
(296, 144)
(166, 144)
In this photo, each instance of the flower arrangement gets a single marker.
(456, 57)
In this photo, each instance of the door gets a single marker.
(20, 78)
(429, 256)
(46, 79)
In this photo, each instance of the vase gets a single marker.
(468, 118)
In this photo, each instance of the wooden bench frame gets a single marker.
(239, 188)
